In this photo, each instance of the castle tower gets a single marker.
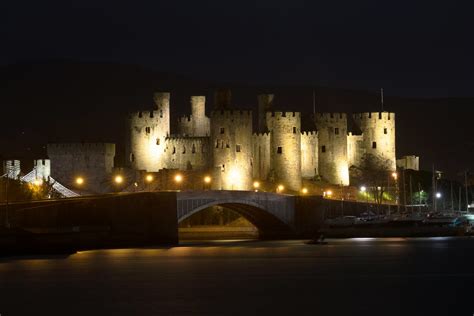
(200, 121)
(285, 148)
(231, 145)
(265, 104)
(378, 135)
(332, 141)
(11, 168)
(147, 133)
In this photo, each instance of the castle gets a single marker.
(226, 147)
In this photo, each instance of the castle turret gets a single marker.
(231, 143)
(285, 148)
(196, 124)
(147, 132)
(378, 135)
(332, 142)
(222, 99)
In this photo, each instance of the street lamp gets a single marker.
(149, 178)
(207, 181)
(328, 193)
(280, 188)
(304, 191)
(256, 185)
(363, 189)
(118, 179)
(438, 195)
(79, 181)
(178, 179)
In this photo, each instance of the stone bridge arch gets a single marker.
(272, 214)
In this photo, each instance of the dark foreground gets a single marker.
(427, 276)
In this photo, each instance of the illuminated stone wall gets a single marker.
(355, 149)
(197, 124)
(148, 131)
(285, 148)
(188, 153)
(309, 154)
(92, 161)
(231, 145)
(261, 156)
(332, 153)
(378, 131)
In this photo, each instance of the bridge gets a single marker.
(130, 219)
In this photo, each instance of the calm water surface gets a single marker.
(432, 276)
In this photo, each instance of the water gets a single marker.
(431, 276)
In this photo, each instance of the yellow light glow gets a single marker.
(207, 179)
(118, 179)
(395, 175)
(38, 182)
(363, 189)
(149, 178)
(79, 180)
(304, 191)
(328, 192)
(256, 184)
(280, 188)
(178, 178)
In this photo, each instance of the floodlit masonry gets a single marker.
(226, 146)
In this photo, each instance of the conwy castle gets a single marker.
(227, 147)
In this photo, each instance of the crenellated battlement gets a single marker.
(331, 116)
(280, 115)
(143, 114)
(374, 116)
(309, 133)
(185, 118)
(231, 113)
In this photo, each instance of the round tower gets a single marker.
(231, 143)
(332, 142)
(378, 135)
(285, 148)
(147, 134)
(265, 104)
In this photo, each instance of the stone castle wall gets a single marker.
(378, 130)
(332, 153)
(188, 153)
(91, 161)
(285, 148)
(261, 156)
(309, 154)
(355, 149)
(231, 144)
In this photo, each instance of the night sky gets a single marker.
(410, 48)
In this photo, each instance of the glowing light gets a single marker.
(256, 184)
(79, 180)
(38, 182)
(363, 189)
(118, 179)
(149, 178)
(304, 190)
(394, 175)
(207, 179)
(178, 178)
(438, 195)
(329, 193)
(280, 188)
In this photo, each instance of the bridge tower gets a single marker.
(147, 133)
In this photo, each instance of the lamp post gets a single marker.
(207, 181)
(178, 179)
(148, 179)
(256, 185)
(363, 189)
(280, 188)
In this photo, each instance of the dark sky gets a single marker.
(411, 48)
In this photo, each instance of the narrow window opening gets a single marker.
(158, 141)
(174, 150)
(237, 148)
(279, 150)
(336, 131)
(193, 150)
(184, 149)
(147, 130)
(222, 130)
(294, 130)
(374, 145)
(132, 157)
(227, 145)
(323, 148)
(385, 131)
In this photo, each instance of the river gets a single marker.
(424, 276)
